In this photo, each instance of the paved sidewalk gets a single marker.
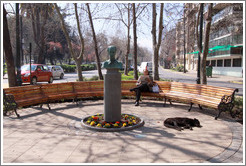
(56, 136)
(215, 77)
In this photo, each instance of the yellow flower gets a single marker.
(88, 121)
(99, 125)
(92, 123)
(134, 121)
(124, 124)
(130, 123)
(116, 125)
(93, 116)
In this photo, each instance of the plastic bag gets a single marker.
(155, 88)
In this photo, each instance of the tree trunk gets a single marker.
(135, 42)
(8, 51)
(79, 70)
(206, 44)
(156, 45)
(95, 44)
(128, 40)
(78, 60)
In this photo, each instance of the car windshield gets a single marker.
(27, 68)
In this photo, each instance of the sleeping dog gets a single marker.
(179, 123)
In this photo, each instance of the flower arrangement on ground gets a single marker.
(99, 122)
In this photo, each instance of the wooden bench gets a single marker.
(24, 96)
(218, 98)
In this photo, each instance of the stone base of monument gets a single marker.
(97, 123)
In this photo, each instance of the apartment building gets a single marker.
(226, 39)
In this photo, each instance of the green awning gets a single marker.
(222, 48)
(217, 48)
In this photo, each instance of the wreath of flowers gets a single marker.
(98, 121)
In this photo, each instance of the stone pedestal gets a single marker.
(112, 95)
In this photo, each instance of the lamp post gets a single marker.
(184, 42)
(18, 65)
(54, 48)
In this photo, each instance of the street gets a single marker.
(189, 77)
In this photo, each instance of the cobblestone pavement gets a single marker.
(56, 136)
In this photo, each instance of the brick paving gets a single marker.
(56, 136)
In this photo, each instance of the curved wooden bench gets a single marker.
(218, 98)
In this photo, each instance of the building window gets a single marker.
(219, 63)
(237, 50)
(237, 62)
(213, 62)
(207, 63)
(227, 63)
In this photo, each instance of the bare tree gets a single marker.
(95, 43)
(8, 51)
(206, 44)
(127, 24)
(204, 51)
(135, 42)
(156, 44)
(39, 13)
(78, 59)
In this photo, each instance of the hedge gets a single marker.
(72, 68)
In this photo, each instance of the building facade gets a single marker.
(225, 43)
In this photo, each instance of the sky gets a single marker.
(143, 27)
(114, 28)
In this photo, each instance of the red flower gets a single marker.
(95, 118)
(117, 122)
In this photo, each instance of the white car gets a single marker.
(143, 66)
(57, 71)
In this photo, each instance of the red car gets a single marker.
(39, 73)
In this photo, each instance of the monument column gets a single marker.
(112, 87)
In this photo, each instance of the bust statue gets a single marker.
(112, 62)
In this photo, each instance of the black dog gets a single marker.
(179, 123)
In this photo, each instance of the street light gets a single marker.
(184, 42)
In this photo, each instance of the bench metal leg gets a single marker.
(48, 106)
(200, 107)
(41, 105)
(18, 116)
(77, 103)
(165, 101)
(190, 106)
(218, 114)
(170, 102)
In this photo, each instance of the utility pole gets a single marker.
(18, 65)
(200, 43)
(22, 41)
(184, 42)
(30, 60)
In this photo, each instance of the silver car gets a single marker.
(57, 71)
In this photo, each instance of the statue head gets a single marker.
(112, 52)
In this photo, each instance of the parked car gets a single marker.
(57, 71)
(39, 73)
(143, 66)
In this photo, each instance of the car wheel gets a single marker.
(51, 80)
(34, 81)
(61, 76)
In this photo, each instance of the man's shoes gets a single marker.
(137, 103)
